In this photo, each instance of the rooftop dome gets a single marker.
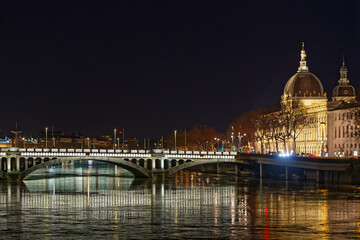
(344, 91)
(304, 83)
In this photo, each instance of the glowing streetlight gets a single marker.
(114, 138)
(88, 141)
(240, 136)
(46, 130)
(175, 138)
(322, 142)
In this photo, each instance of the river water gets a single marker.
(100, 201)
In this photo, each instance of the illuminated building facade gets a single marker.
(326, 131)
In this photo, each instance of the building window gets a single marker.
(335, 145)
(335, 117)
(350, 145)
(355, 145)
(352, 130)
(339, 132)
(335, 132)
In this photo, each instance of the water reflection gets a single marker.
(97, 202)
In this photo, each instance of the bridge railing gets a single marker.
(72, 150)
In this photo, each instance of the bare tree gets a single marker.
(293, 118)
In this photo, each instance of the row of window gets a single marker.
(347, 145)
(348, 132)
(347, 115)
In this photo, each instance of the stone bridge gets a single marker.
(17, 163)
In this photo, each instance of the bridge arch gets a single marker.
(136, 170)
(189, 163)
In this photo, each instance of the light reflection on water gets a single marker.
(98, 202)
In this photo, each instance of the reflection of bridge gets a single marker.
(17, 163)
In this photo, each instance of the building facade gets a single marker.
(330, 125)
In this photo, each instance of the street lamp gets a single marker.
(118, 143)
(232, 136)
(240, 136)
(46, 129)
(114, 138)
(322, 142)
(175, 138)
(88, 140)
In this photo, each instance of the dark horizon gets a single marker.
(153, 67)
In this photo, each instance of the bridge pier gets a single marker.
(13, 177)
(153, 162)
(17, 164)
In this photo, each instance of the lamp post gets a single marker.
(88, 142)
(114, 138)
(215, 141)
(232, 136)
(46, 129)
(240, 136)
(322, 141)
(185, 140)
(118, 143)
(175, 138)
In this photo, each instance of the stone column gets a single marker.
(18, 164)
(8, 161)
(153, 163)
(162, 163)
(236, 170)
(26, 163)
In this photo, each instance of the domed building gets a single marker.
(344, 92)
(329, 127)
(306, 89)
(304, 86)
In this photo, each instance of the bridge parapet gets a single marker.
(155, 153)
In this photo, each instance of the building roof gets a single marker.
(304, 84)
(344, 105)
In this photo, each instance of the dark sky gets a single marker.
(156, 66)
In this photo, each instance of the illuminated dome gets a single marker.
(303, 83)
(344, 92)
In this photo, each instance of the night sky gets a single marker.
(156, 66)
